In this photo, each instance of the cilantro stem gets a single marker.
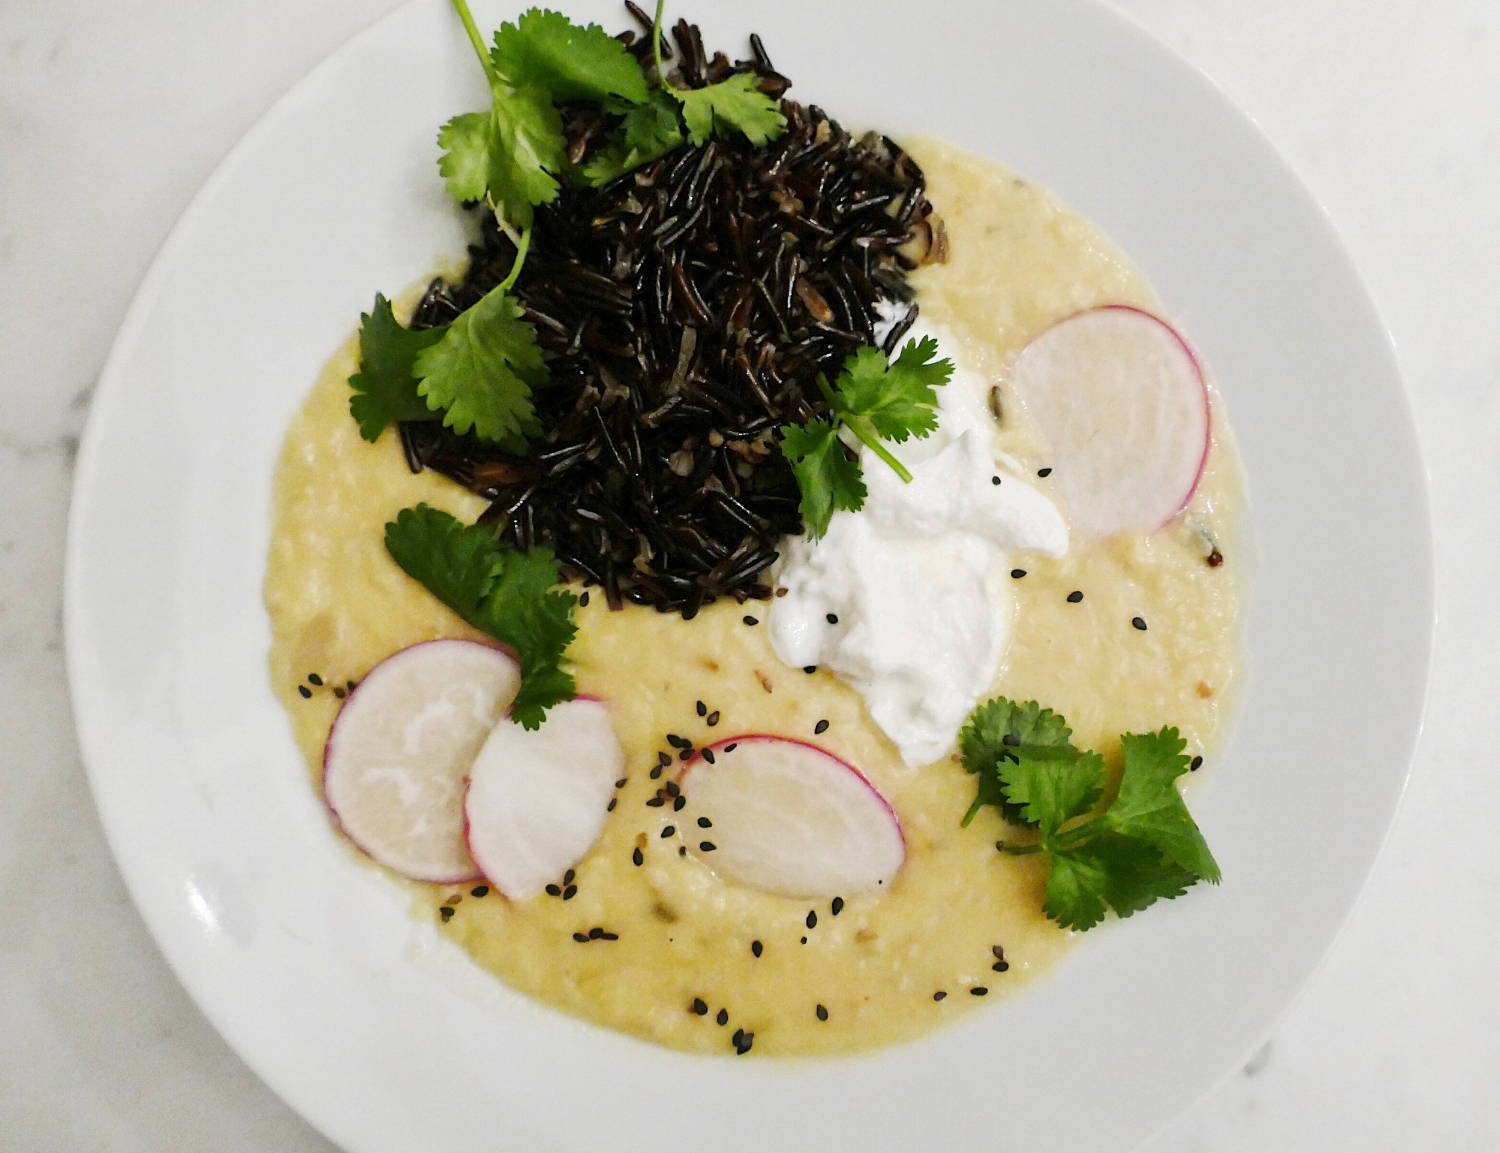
(475, 38)
(661, 77)
(1024, 850)
(860, 427)
(523, 244)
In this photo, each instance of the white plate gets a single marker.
(384, 1036)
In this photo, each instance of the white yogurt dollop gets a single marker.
(908, 600)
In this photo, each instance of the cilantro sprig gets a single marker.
(875, 399)
(479, 373)
(1142, 847)
(499, 590)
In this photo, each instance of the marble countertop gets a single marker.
(111, 115)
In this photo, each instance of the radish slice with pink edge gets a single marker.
(790, 818)
(537, 798)
(401, 746)
(1123, 405)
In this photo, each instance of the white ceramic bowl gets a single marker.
(387, 1038)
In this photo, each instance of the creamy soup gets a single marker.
(888, 965)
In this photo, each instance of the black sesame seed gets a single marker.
(686, 754)
(609, 936)
(446, 913)
(739, 1035)
(664, 760)
(682, 850)
(812, 919)
(804, 940)
(314, 679)
(999, 952)
(1044, 472)
(1139, 622)
(351, 685)
(595, 933)
(702, 709)
(994, 480)
(1001, 966)
(1017, 573)
(731, 746)
(751, 621)
(638, 857)
(678, 804)
(705, 823)
(706, 846)
(832, 618)
(554, 890)
(678, 742)
(756, 947)
(656, 802)
(700, 1006)
(655, 771)
(809, 668)
(713, 718)
(1074, 597)
(569, 876)
(583, 599)
(723, 1017)
(939, 995)
(305, 691)
(581, 938)
(480, 891)
(978, 991)
(838, 906)
(672, 789)
(1195, 764)
(340, 693)
(821, 727)
(620, 784)
(822, 1013)
(570, 892)
(745, 1042)
(708, 755)
(669, 831)
(609, 808)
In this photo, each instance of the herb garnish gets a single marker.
(482, 369)
(500, 591)
(1142, 847)
(875, 400)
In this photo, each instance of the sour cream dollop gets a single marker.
(908, 600)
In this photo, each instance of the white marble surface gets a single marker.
(111, 115)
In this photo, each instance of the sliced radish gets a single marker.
(396, 758)
(790, 818)
(1123, 405)
(537, 798)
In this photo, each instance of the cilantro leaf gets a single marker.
(648, 132)
(990, 737)
(483, 370)
(1143, 848)
(897, 398)
(385, 390)
(1113, 870)
(1149, 807)
(828, 478)
(523, 612)
(733, 104)
(568, 61)
(458, 564)
(508, 594)
(1052, 784)
(508, 154)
